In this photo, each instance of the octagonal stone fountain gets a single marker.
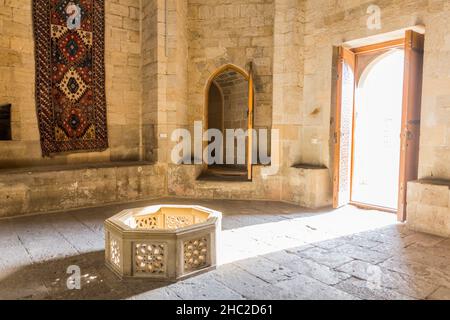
(163, 243)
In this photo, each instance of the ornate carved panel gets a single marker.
(148, 222)
(176, 222)
(115, 252)
(346, 129)
(196, 254)
(150, 258)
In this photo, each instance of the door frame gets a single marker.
(251, 103)
(411, 117)
(410, 39)
(251, 120)
(361, 51)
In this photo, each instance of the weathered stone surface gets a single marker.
(25, 286)
(401, 283)
(271, 272)
(369, 291)
(363, 254)
(308, 187)
(422, 240)
(328, 258)
(429, 207)
(431, 274)
(158, 294)
(246, 284)
(204, 287)
(14, 257)
(304, 288)
(425, 255)
(308, 268)
(35, 267)
(362, 241)
(440, 294)
(83, 239)
(60, 188)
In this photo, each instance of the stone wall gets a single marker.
(172, 58)
(123, 85)
(182, 182)
(288, 79)
(230, 32)
(215, 108)
(429, 207)
(150, 70)
(235, 93)
(60, 188)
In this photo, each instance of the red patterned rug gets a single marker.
(70, 75)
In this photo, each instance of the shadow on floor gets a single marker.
(48, 280)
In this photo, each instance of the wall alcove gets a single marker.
(229, 100)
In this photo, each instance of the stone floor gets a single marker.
(270, 251)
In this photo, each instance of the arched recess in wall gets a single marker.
(216, 73)
(227, 97)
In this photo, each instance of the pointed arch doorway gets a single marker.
(229, 105)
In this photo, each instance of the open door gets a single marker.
(412, 99)
(251, 104)
(344, 128)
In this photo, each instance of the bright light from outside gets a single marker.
(239, 243)
(377, 132)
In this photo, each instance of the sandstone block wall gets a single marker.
(429, 207)
(123, 85)
(62, 188)
(230, 32)
(150, 50)
(215, 108)
(308, 187)
(182, 182)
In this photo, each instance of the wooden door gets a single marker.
(251, 104)
(412, 100)
(345, 96)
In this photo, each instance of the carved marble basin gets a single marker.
(162, 242)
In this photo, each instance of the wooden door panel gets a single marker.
(412, 101)
(251, 104)
(344, 128)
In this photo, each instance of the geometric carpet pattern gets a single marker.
(70, 75)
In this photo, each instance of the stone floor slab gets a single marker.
(204, 287)
(266, 270)
(308, 268)
(246, 284)
(366, 290)
(269, 250)
(385, 278)
(431, 274)
(305, 288)
(440, 294)
(363, 254)
(328, 258)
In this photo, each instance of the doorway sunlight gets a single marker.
(378, 112)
